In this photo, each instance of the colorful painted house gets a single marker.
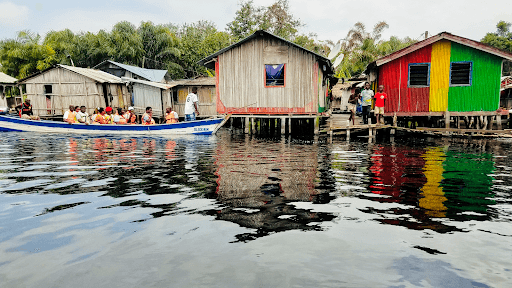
(266, 74)
(442, 73)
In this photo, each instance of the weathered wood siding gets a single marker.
(144, 96)
(206, 95)
(69, 88)
(241, 79)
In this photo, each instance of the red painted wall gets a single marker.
(394, 76)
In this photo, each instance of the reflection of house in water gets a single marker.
(257, 181)
(438, 184)
(397, 171)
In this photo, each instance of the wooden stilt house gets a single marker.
(6, 84)
(52, 90)
(266, 74)
(442, 75)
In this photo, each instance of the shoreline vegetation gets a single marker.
(178, 47)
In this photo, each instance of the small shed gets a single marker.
(442, 73)
(54, 89)
(205, 92)
(153, 94)
(6, 84)
(133, 72)
(342, 91)
(506, 92)
(266, 74)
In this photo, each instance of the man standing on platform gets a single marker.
(191, 103)
(366, 99)
(379, 104)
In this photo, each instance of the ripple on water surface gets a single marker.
(293, 210)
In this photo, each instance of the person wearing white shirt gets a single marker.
(191, 103)
(82, 116)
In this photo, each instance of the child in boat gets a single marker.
(118, 118)
(147, 118)
(171, 116)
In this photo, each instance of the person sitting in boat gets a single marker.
(171, 116)
(93, 116)
(147, 118)
(109, 118)
(25, 111)
(100, 117)
(82, 116)
(128, 114)
(118, 118)
(69, 116)
(132, 120)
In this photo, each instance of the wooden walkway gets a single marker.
(338, 124)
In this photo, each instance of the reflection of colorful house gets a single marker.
(432, 192)
(467, 184)
(442, 73)
(395, 171)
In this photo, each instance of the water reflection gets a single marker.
(206, 201)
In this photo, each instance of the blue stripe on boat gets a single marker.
(55, 124)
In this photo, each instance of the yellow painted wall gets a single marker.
(440, 76)
(432, 192)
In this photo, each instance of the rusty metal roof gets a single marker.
(441, 36)
(4, 78)
(261, 33)
(96, 75)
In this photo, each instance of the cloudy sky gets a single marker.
(329, 19)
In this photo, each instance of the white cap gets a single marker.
(130, 108)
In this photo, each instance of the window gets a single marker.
(48, 89)
(419, 75)
(274, 75)
(460, 73)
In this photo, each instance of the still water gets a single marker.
(239, 211)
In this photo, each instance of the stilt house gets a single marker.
(6, 84)
(266, 74)
(444, 73)
(52, 90)
(146, 93)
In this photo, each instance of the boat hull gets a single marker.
(198, 127)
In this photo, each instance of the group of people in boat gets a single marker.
(118, 116)
(78, 114)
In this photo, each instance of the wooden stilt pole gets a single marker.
(447, 119)
(246, 125)
(498, 122)
(317, 125)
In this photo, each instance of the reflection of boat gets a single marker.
(198, 127)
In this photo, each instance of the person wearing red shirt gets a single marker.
(379, 104)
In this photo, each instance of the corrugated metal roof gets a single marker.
(149, 83)
(153, 75)
(260, 33)
(200, 81)
(94, 74)
(4, 78)
(443, 35)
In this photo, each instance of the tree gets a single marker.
(501, 39)
(24, 55)
(246, 21)
(275, 19)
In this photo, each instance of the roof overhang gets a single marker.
(209, 61)
(442, 36)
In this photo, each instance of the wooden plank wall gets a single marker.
(207, 104)
(69, 88)
(242, 76)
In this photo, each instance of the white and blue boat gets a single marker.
(198, 127)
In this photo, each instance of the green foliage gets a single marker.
(361, 48)
(24, 55)
(501, 39)
(275, 19)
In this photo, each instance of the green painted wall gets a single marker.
(484, 92)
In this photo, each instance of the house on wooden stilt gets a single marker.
(7, 83)
(273, 81)
(442, 77)
(53, 90)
